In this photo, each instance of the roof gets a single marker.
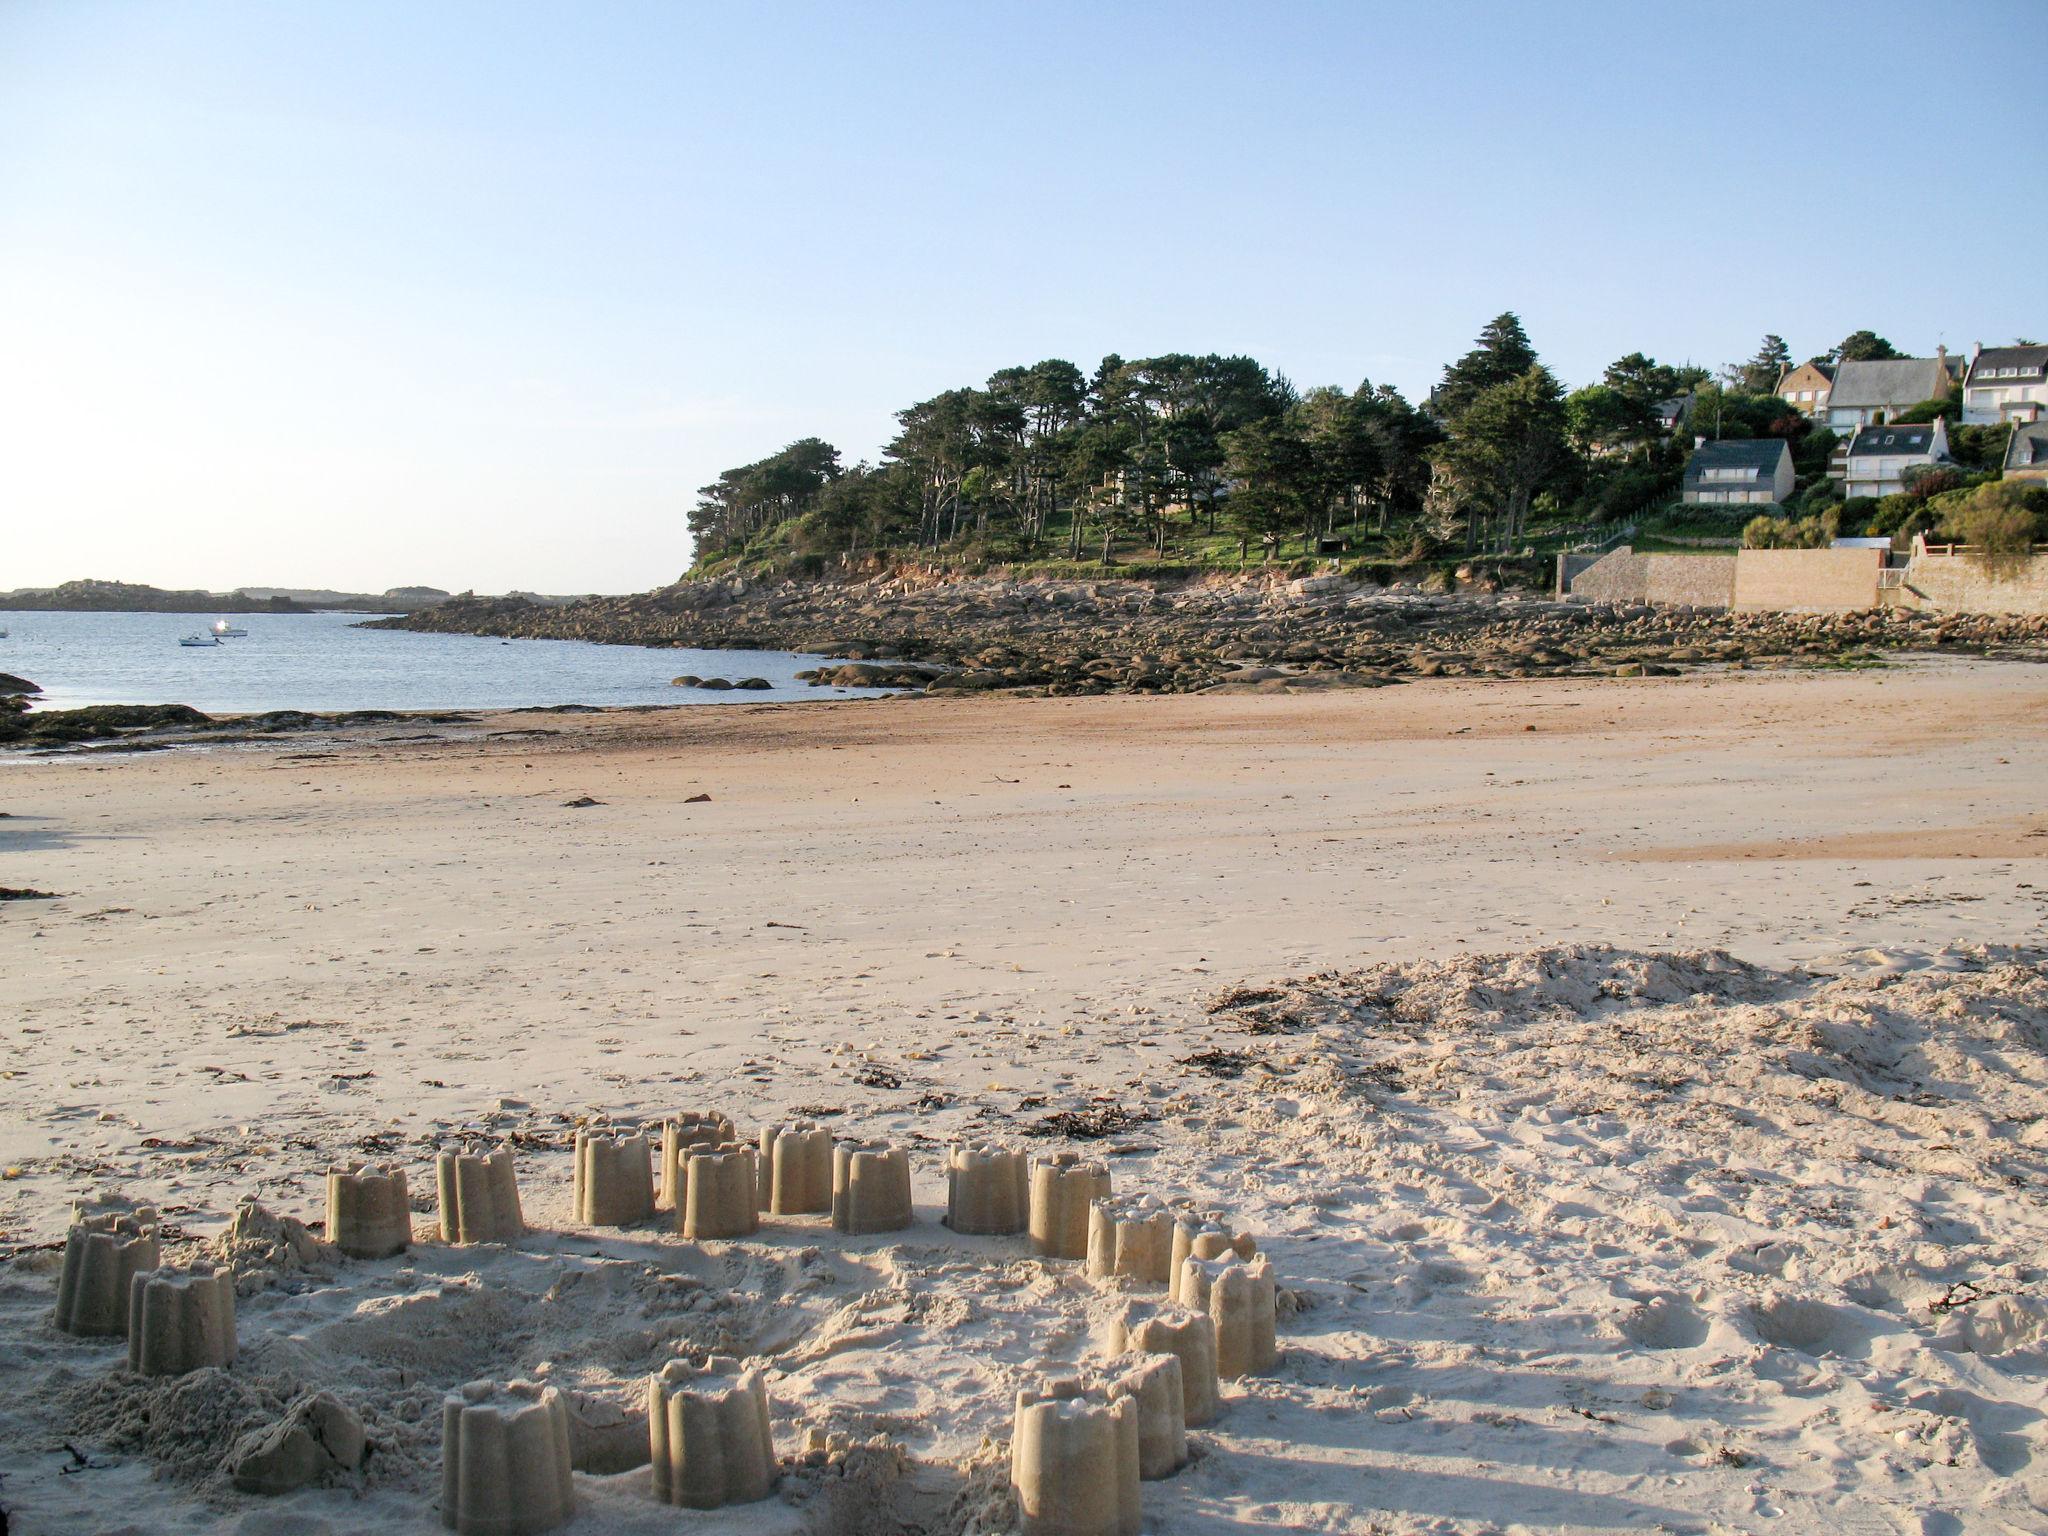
(2029, 446)
(2032, 359)
(1674, 408)
(1823, 369)
(1917, 438)
(1888, 382)
(1762, 454)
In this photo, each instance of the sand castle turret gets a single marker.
(614, 1184)
(1203, 1235)
(369, 1214)
(1062, 1188)
(719, 1193)
(988, 1190)
(707, 1430)
(1153, 1383)
(180, 1320)
(479, 1198)
(505, 1460)
(1074, 1461)
(870, 1187)
(102, 1255)
(680, 1134)
(1167, 1328)
(1240, 1300)
(369, 1211)
(796, 1169)
(1131, 1236)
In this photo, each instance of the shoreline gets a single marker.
(1074, 638)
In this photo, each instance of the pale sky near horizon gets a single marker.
(477, 294)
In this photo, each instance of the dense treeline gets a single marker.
(1192, 455)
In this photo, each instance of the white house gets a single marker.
(2006, 384)
(1738, 472)
(1865, 393)
(1880, 456)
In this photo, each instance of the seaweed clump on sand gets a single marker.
(1091, 1124)
(96, 722)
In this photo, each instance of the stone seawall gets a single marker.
(1806, 580)
(1682, 581)
(1967, 583)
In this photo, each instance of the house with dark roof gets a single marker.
(1806, 388)
(1671, 414)
(2006, 384)
(2026, 453)
(1750, 471)
(1879, 457)
(1865, 393)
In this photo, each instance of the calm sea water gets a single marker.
(319, 661)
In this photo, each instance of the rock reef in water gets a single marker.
(920, 627)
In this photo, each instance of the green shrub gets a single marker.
(2001, 521)
(1980, 447)
(1924, 480)
(1793, 533)
(1927, 410)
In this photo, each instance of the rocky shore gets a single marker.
(914, 629)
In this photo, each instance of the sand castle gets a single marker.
(1203, 1235)
(1153, 1383)
(1168, 1328)
(707, 1430)
(1074, 1461)
(682, 1133)
(720, 1193)
(870, 1187)
(614, 1177)
(369, 1214)
(796, 1169)
(1062, 1188)
(1131, 1236)
(479, 1198)
(102, 1255)
(505, 1460)
(988, 1190)
(1079, 1448)
(180, 1320)
(1240, 1300)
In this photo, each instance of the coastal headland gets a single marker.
(1643, 1066)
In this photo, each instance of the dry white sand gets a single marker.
(1647, 1120)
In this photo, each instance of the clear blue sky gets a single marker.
(477, 294)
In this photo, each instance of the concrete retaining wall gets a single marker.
(1965, 584)
(1619, 576)
(1806, 580)
(1623, 576)
(1690, 581)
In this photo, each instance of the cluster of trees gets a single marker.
(1182, 450)
(1047, 458)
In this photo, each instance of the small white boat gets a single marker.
(199, 640)
(227, 631)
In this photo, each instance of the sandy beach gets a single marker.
(1636, 1083)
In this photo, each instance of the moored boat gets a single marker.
(227, 631)
(199, 640)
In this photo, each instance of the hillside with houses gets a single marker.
(1183, 463)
